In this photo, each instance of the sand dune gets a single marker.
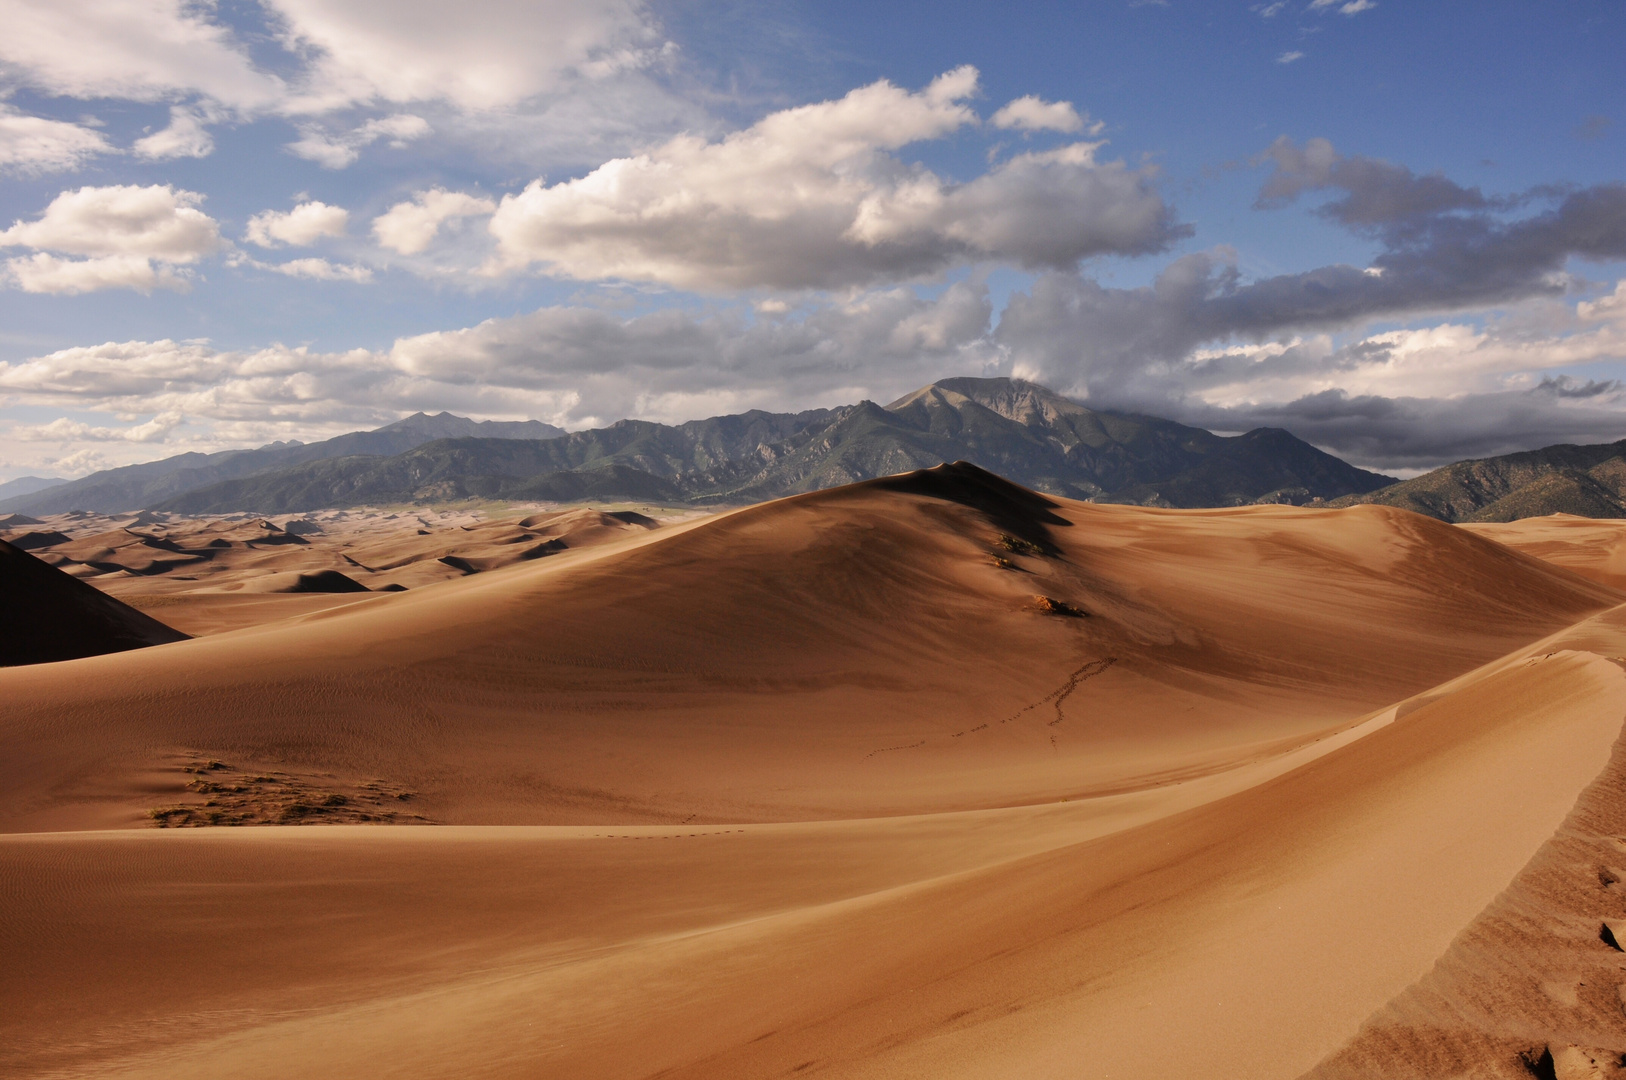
(922, 777)
(211, 576)
(49, 616)
(1590, 547)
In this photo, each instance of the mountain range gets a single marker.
(27, 485)
(1587, 481)
(1012, 427)
(1018, 429)
(140, 487)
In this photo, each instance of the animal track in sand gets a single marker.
(905, 746)
(664, 836)
(1057, 696)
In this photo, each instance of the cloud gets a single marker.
(410, 227)
(567, 81)
(1406, 398)
(321, 270)
(341, 151)
(1176, 349)
(1377, 193)
(812, 197)
(1030, 113)
(303, 225)
(1408, 433)
(134, 237)
(65, 430)
(477, 55)
(1593, 128)
(137, 50)
(1289, 57)
(585, 366)
(45, 273)
(569, 365)
(33, 144)
(184, 137)
(1435, 265)
(79, 463)
(158, 221)
(1346, 7)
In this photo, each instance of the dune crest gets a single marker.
(50, 616)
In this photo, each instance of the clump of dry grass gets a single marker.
(252, 797)
(1051, 606)
(1018, 545)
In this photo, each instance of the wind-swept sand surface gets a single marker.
(210, 576)
(1592, 547)
(922, 777)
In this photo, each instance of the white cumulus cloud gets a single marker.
(157, 221)
(410, 227)
(33, 144)
(813, 197)
(133, 237)
(1031, 113)
(303, 225)
(46, 273)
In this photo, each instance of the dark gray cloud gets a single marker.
(1376, 193)
(1445, 249)
(1184, 340)
(1421, 432)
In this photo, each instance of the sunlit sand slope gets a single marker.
(1590, 547)
(873, 650)
(1536, 984)
(1239, 925)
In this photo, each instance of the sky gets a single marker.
(1394, 228)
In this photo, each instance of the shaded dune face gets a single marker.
(877, 649)
(49, 616)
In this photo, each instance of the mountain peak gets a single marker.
(1014, 399)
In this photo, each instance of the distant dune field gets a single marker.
(925, 776)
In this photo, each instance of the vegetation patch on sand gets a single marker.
(234, 796)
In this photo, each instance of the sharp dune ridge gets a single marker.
(49, 616)
(820, 787)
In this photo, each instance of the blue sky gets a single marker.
(249, 220)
